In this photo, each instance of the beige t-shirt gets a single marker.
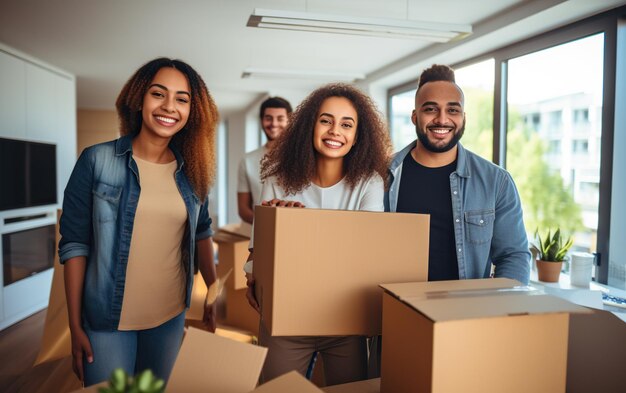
(155, 283)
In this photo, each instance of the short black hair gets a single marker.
(436, 72)
(275, 102)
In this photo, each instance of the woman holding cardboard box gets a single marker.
(333, 155)
(135, 212)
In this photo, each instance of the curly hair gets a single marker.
(196, 141)
(293, 160)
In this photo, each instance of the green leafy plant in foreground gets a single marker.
(144, 382)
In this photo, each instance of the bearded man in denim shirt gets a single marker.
(474, 206)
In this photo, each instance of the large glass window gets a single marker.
(401, 127)
(476, 81)
(554, 106)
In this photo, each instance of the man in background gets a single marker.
(274, 114)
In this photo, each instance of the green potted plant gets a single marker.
(144, 382)
(550, 254)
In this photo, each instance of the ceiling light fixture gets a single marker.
(343, 24)
(301, 74)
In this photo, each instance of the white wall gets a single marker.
(244, 132)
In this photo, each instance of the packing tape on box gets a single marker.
(522, 289)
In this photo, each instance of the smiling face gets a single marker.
(166, 104)
(438, 116)
(335, 128)
(274, 122)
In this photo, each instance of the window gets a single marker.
(581, 116)
(540, 159)
(580, 146)
(477, 82)
(401, 127)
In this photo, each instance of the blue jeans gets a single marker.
(134, 350)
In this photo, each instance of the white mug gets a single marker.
(581, 264)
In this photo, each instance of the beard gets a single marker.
(422, 136)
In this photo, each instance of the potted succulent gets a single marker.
(144, 382)
(550, 254)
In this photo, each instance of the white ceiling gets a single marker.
(103, 42)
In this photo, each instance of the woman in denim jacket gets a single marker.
(135, 217)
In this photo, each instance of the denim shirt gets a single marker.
(487, 212)
(99, 208)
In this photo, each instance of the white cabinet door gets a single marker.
(13, 97)
(40, 104)
(65, 109)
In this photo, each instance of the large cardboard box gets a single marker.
(473, 336)
(317, 271)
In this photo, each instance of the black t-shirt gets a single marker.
(427, 191)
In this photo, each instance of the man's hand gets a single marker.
(282, 203)
(250, 293)
(81, 348)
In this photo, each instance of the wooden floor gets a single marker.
(19, 345)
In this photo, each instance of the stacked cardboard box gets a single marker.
(232, 255)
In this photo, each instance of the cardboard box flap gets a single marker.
(241, 229)
(222, 236)
(428, 289)
(470, 307)
(209, 363)
(288, 383)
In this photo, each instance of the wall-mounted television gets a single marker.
(28, 174)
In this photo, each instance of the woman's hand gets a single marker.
(282, 203)
(81, 349)
(209, 318)
(250, 293)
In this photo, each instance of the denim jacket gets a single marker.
(487, 212)
(99, 208)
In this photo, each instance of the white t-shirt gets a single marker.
(249, 174)
(366, 195)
